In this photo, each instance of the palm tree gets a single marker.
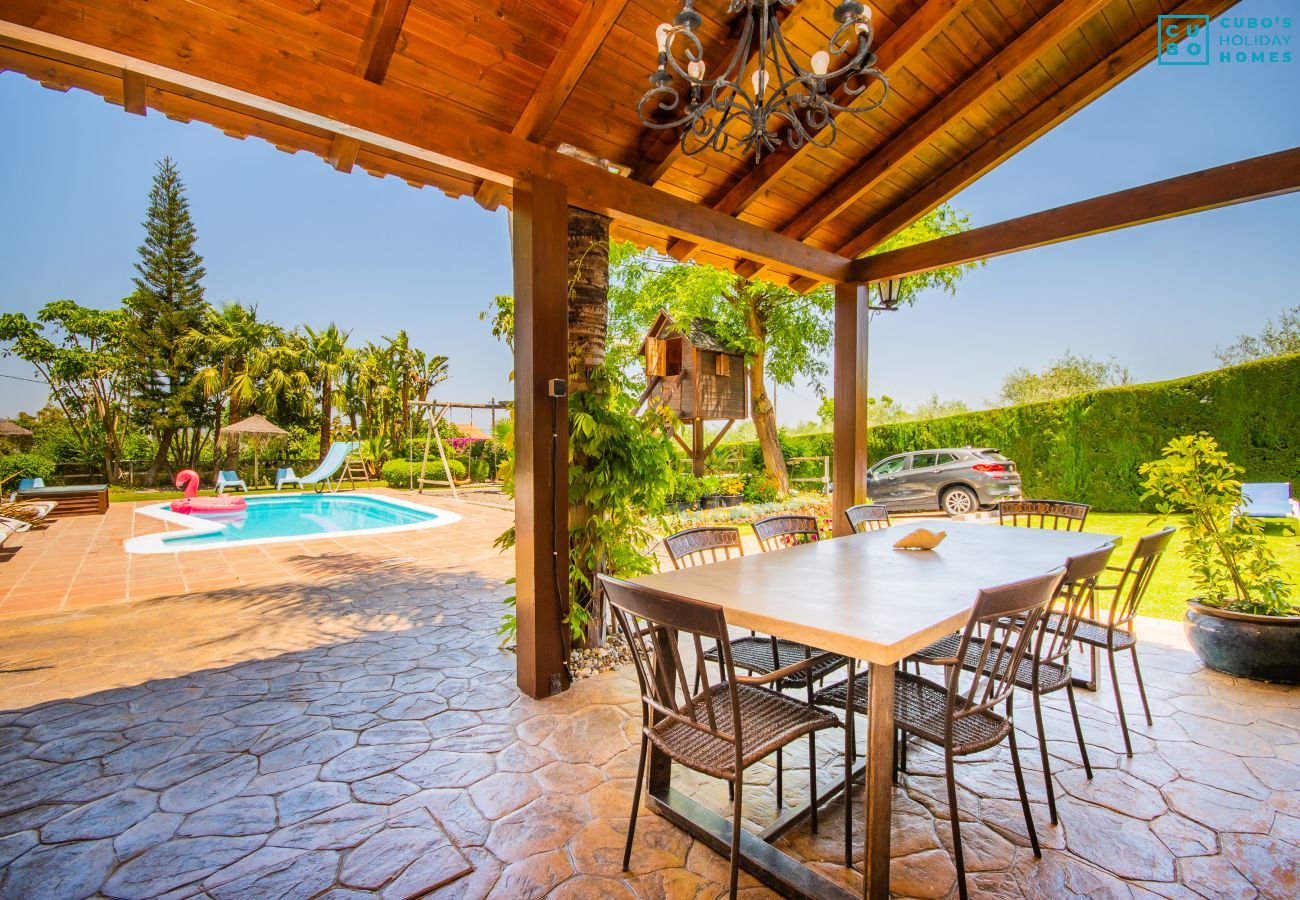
(230, 338)
(329, 352)
(285, 388)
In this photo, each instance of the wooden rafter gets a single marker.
(380, 42)
(585, 37)
(1046, 115)
(895, 53)
(1024, 50)
(1239, 182)
(396, 117)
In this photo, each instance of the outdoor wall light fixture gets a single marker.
(889, 292)
(760, 87)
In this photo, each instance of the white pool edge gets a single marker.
(192, 527)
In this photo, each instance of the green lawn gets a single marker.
(1172, 583)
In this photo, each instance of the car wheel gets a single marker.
(958, 501)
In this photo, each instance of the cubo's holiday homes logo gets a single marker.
(1183, 40)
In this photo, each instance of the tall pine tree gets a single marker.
(167, 304)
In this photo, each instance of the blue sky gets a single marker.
(306, 243)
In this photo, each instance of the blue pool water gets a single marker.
(303, 516)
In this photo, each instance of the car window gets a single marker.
(889, 465)
(945, 458)
(924, 460)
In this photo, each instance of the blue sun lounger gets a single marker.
(329, 475)
(1269, 501)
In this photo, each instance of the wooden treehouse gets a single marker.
(693, 374)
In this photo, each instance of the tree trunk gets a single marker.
(326, 414)
(160, 458)
(764, 415)
(588, 324)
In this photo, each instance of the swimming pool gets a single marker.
(293, 517)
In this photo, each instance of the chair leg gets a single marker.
(812, 780)
(1078, 730)
(958, 858)
(780, 781)
(850, 751)
(636, 803)
(1024, 798)
(1119, 702)
(739, 786)
(1042, 750)
(1142, 691)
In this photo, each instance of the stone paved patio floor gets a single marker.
(349, 728)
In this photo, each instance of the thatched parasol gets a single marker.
(16, 433)
(259, 431)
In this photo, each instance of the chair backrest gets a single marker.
(28, 484)
(229, 475)
(1136, 576)
(1072, 602)
(697, 546)
(776, 532)
(1007, 617)
(1058, 515)
(867, 517)
(651, 622)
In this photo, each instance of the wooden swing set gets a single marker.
(439, 410)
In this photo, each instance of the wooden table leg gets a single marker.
(879, 781)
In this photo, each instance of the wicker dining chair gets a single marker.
(1115, 632)
(867, 517)
(963, 719)
(1057, 515)
(1046, 666)
(721, 730)
(781, 531)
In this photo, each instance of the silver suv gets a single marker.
(957, 480)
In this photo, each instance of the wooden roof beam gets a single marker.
(380, 42)
(1066, 16)
(1038, 121)
(580, 45)
(394, 117)
(134, 90)
(1239, 182)
(896, 52)
(343, 152)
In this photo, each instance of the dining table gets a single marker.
(860, 597)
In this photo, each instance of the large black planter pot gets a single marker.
(1266, 648)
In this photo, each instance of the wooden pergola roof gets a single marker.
(468, 96)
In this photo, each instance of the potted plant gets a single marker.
(710, 492)
(1242, 622)
(732, 488)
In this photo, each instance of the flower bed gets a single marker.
(818, 505)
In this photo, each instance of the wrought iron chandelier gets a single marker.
(778, 91)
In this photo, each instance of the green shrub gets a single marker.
(14, 466)
(479, 469)
(1089, 447)
(397, 473)
(760, 488)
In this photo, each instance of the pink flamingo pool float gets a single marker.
(188, 480)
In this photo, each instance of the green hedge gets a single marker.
(1089, 447)
(397, 473)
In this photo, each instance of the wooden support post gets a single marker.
(540, 240)
(851, 316)
(697, 438)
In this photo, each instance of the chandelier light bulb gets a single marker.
(661, 35)
(696, 69)
(821, 62)
(759, 81)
